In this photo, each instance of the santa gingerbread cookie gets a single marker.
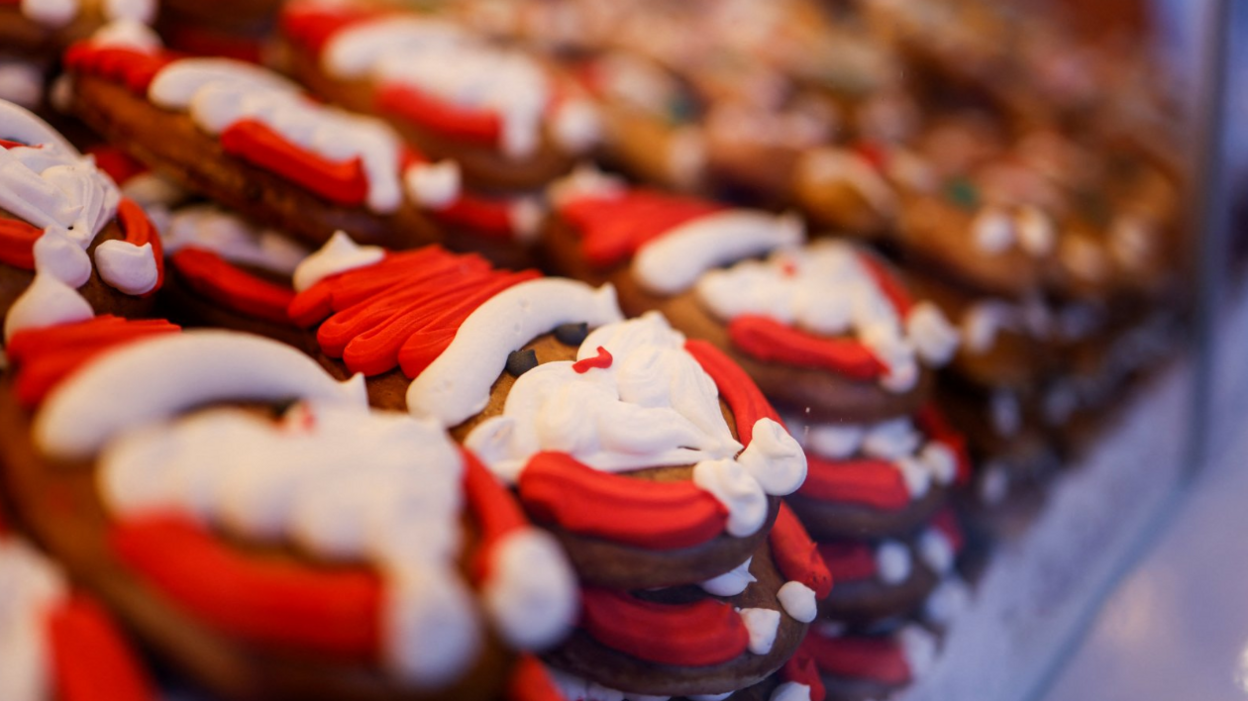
(70, 244)
(260, 527)
(252, 140)
(824, 329)
(510, 120)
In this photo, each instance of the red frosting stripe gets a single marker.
(403, 311)
(556, 488)
(334, 612)
(769, 340)
(483, 216)
(45, 356)
(865, 481)
(17, 243)
(116, 163)
(601, 361)
(613, 228)
(90, 660)
(796, 555)
(237, 290)
(703, 633)
(133, 68)
(530, 681)
(801, 668)
(877, 659)
(495, 508)
(737, 389)
(340, 182)
(139, 231)
(310, 25)
(849, 561)
(7, 144)
(432, 113)
(888, 283)
(931, 421)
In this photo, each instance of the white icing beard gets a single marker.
(825, 289)
(440, 60)
(30, 587)
(339, 481)
(654, 406)
(54, 188)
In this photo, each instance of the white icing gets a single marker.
(338, 255)
(214, 229)
(798, 601)
(892, 562)
(791, 691)
(143, 11)
(18, 124)
(127, 267)
(993, 231)
(53, 13)
(686, 157)
(51, 187)
(916, 475)
(47, 302)
(218, 92)
(337, 480)
(153, 374)
(576, 127)
(940, 461)
(433, 185)
(920, 647)
(129, 33)
(837, 165)
(732, 582)
(150, 190)
(531, 592)
(440, 60)
(951, 598)
(934, 338)
(937, 552)
(711, 697)
(984, 320)
(60, 257)
(1006, 413)
(457, 384)
(674, 261)
(30, 587)
(1036, 231)
(585, 181)
(573, 688)
(739, 492)
(525, 214)
(892, 439)
(774, 458)
(762, 626)
(21, 82)
(824, 287)
(835, 440)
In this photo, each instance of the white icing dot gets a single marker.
(892, 560)
(129, 268)
(937, 551)
(338, 255)
(941, 461)
(1036, 232)
(993, 231)
(798, 601)
(47, 302)
(762, 625)
(732, 582)
(433, 185)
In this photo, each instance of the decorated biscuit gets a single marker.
(70, 245)
(510, 120)
(824, 328)
(252, 140)
(255, 522)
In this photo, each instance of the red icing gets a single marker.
(340, 182)
(876, 659)
(947, 523)
(6, 144)
(139, 231)
(530, 681)
(703, 633)
(432, 113)
(17, 243)
(312, 24)
(873, 154)
(796, 554)
(735, 387)
(932, 422)
(237, 290)
(334, 612)
(90, 660)
(130, 67)
(602, 360)
(614, 227)
(769, 340)
(849, 561)
(487, 217)
(865, 481)
(403, 311)
(556, 488)
(45, 356)
(496, 511)
(801, 668)
(116, 163)
(888, 283)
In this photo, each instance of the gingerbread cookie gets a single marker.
(70, 245)
(251, 139)
(269, 548)
(825, 329)
(510, 120)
